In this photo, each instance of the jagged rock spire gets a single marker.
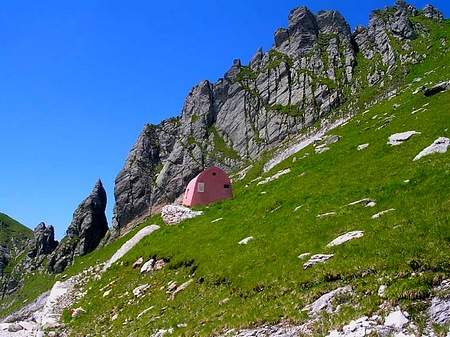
(88, 227)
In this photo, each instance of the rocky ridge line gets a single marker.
(307, 75)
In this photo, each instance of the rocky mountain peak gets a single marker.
(309, 73)
(89, 221)
(432, 13)
(332, 22)
(44, 240)
(87, 229)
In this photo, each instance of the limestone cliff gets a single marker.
(315, 66)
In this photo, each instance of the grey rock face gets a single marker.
(400, 25)
(44, 240)
(88, 227)
(432, 13)
(437, 88)
(307, 74)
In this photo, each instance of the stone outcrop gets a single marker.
(87, 229)
(309, 73)
(44, 241)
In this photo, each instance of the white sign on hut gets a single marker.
(208, 186)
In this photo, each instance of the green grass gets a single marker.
(406, 249)
(238, 286)
(12, 228)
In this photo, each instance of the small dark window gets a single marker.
(214, 173)
(226, 186)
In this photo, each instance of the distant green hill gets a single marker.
(14, 243)
(11, 228)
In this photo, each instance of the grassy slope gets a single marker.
(14, 228)
(406, 249)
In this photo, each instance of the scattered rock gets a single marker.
(381, 290)
(159, 264)
(246, 240)
(222, 302)
(396, 320)
(142, 313)
(440, 145)
(182, 287)
(171, 287)
(346, 237)
(279, 330)
(275, 176)
(130, 244)
(365, 202)
(320, 216)
(325, 301)
(163, 332)
(439, 311)
(75, 312)
(322, 148)
(148, 266)
(362, 146)
(139, 291)
(297, 208)
(304, 255)
(15, 327)
(331, 139)
(399, 138)
(172, 214)
(28, 326)
(437, 88)
(382, 212)
(318, 258)
(138, 262)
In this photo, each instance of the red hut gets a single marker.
(208, 186)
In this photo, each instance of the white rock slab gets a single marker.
(246, 240)
(325, 301)
(399, 138)
(362, 146)
(320, 216)
(275, 176)
(375, 216)
(318, 258)
(346, 237)
(364, 201)
(396, 320)
(147, 266)
(172, 214)
(440, 145)
(130, 244)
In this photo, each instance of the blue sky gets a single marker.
(79, 79)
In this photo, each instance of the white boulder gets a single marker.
(345, 237)
(440, 145)
(399, 138)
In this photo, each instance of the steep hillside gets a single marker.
(372, 101)
(397, 208)
(315, 67)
